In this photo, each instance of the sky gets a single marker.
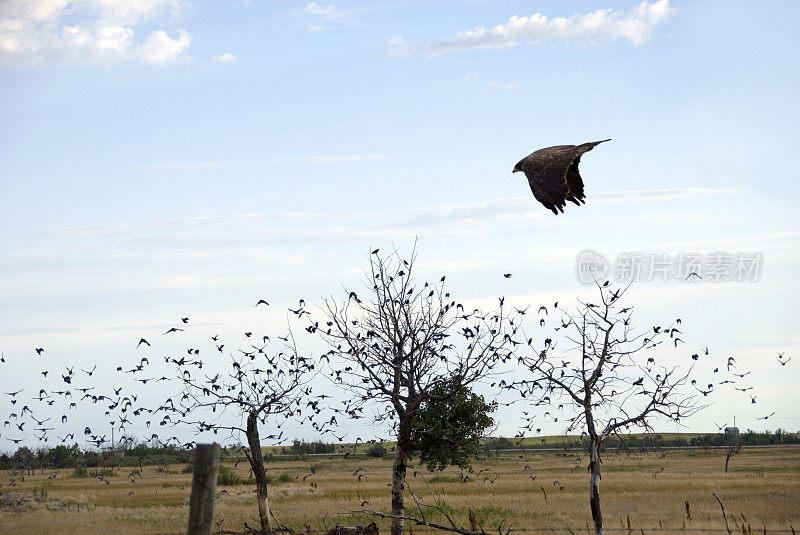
(162, 159)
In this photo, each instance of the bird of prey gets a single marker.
(553, 174)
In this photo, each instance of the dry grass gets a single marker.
(639, 493)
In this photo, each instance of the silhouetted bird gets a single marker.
(553, 174)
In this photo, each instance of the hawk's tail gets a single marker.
(586, 147)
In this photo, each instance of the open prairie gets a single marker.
(641, 493)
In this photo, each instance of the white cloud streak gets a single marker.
(334, 159)
(635, 26)
(225, 57)
(329, 13)
(662, 194)
(187, 165)
(88, 31)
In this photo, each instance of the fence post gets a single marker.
(204, 489)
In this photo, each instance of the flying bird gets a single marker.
(172, 330)
(553, 174)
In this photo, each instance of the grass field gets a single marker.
(647, 492)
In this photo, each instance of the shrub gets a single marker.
(227, 476)
(283, 478)
(42, 491)
(82, 471)
(377, 450)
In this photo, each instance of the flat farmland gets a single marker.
(537, 492)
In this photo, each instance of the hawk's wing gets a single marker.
(553, 174)
(548, 190)
(546, 170)
(575, 183)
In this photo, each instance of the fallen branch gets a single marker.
(420, 522)
(723, 512)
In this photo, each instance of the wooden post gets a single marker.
(204, 489)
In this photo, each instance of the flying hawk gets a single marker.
(553, 174)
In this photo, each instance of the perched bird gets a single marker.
(553, 174)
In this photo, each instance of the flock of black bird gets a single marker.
(554, 179)
(69, 390)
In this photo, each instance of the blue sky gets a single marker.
(165, 158)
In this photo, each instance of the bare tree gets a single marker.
(607, 373)
(402, 342)
(261, 386)
(733, 449)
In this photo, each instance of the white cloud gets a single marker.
(159, 48)
(188, 165)
(87, 31)
(508, 86)
(324, 16)
(662, 194)
(332, 159)
(635, 26)
(398, 47)
(328, 13)
(225, 57)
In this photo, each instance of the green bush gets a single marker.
(316, 467)
(283, 478)
(227, 476)
(42, 491)
(377, 450)
(188, 469)
(82, 471)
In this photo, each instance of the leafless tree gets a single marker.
(402, 340)
(263, 387)
(733, 449)
(598, 365)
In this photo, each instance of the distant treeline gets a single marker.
(652, 441)
(748, 438)
(62, 456)
(301, 447)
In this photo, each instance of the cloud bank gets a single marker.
(88, 31)
(635, 26)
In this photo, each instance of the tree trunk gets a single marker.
(398, 482)
(257, 464)
(594, 486)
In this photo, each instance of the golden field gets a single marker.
(649, 491)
